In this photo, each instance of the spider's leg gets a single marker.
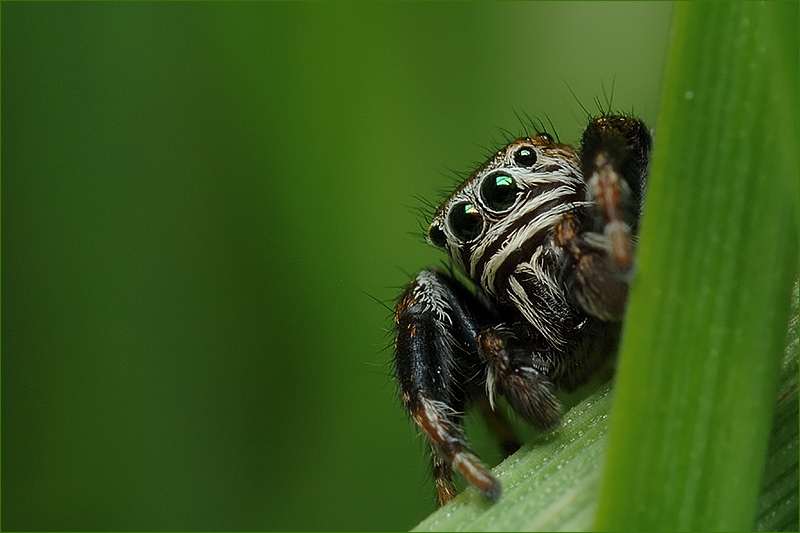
(435, 357)
(600, 240)
(615, 152)
(445, 490)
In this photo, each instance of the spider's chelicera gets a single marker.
(546, 235)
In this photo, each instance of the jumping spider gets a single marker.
(546, 235)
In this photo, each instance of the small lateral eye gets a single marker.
(499, 191)
(525, 157)
(436, 236)
(465, 221)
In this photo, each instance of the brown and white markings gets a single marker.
(545, 233)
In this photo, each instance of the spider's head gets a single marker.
(506, 209)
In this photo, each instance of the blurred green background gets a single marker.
(201, 203)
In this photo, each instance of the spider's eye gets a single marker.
(465, 221)
(499, 191)
(525, 157)
(437, 236)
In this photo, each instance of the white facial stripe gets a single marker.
(523, 302)
(520, 236)
(534, 269)
(512, 218)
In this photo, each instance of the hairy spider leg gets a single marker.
(615, 151)
(614, 154)
(436, 357)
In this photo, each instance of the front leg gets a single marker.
(615, 154)
(435, 357)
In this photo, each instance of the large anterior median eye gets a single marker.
(499, 191)
(465, 221)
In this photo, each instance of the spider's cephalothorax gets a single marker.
(546, 234)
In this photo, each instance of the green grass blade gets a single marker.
(700, 353)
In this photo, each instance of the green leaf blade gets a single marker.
(704, 333)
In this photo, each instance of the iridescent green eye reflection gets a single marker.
(499, 191)
(465, 221)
